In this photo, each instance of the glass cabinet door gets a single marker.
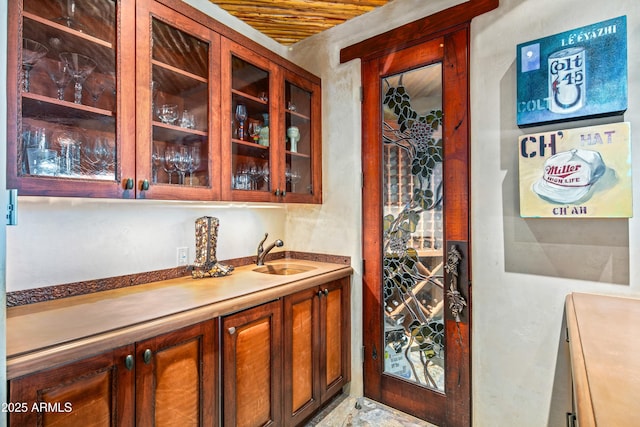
(174, 154)
(298, 172)
(249, 125)
(66, 86)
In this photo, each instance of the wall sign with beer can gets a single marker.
(576, 74)
(576, 173)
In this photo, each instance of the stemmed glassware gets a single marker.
(183, 158)
(102, 155)
(60, 76)
(194, 162)
(69, 10)
(156, 161)
(79, 67)
(293, 176)
(95, 85)
(169, 161)
(241, 116)
(32, 51)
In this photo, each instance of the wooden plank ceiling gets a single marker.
(289, 21)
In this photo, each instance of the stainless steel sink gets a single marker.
(283, 269)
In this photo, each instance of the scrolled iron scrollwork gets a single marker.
(457, 303)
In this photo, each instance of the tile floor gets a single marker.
(347, 411)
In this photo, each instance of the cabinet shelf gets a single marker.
(55, 30)
(298, 115)
(249, 97)
(59, 38)
(173, 133)
(62, 112)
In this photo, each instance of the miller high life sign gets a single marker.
(584, 172)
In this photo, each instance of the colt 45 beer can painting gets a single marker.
(576, 74)
(584, 172)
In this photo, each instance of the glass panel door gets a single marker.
(179, 108)
(298, 173)
(250, 127)
(68, 90)
(413, 298)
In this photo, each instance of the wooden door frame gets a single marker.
(452, 27)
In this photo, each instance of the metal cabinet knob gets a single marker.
(128, 184)
(232, 330)
(128, 362)
(146, 356)
(145, 185)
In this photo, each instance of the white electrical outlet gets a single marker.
(183, 256)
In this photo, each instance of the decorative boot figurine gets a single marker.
(206, 263)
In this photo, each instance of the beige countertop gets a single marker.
(45, 334)
(604, 334)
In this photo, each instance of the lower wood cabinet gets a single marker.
(168, 380)
(252, 366)
(281, 361)
(316, 348)
(284, 359)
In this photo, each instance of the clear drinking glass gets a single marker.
(60, 76)
(169, 161)
(95, 86)
(32, 51)
(79, 67)
(194, 164)
(183, 159)
(168, 113)
(241, 116)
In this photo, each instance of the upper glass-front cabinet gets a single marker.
(65, 78)
(270, 150)
(175, 94)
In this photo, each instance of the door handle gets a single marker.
(457, 303)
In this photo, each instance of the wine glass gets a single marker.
(68, 10)
(241, 116)
(60, 76)
(194, 164)
(32, 51)
(156, 161)
(169, 161)
(254, 131)
(183, 157)
(168, 113)
(95, 85)
(79, 67)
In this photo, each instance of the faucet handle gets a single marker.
(260, 248)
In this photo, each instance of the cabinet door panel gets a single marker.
(302, 355)
(176, 378)
(69, 132)
(96, 392)
(178, 94)
(336, 320)
(252, 370)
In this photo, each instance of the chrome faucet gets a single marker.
(262, 253)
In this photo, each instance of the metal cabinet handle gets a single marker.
(232, 330)
(128, 184)
(128, 362)
(325, 292)
(319, 294)
(146, 356)
(145, 185)
(283, 193)
(277, 192)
